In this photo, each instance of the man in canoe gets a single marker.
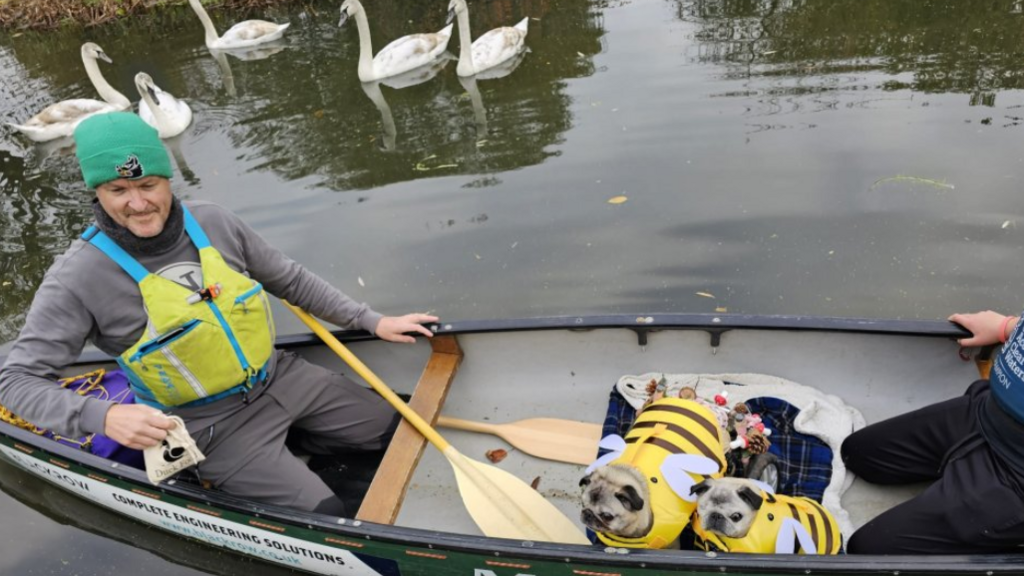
(972, 450)
(175, 291)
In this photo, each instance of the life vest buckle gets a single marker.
(204, 294)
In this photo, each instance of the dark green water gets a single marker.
(821, 157)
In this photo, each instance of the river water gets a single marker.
(816, 157)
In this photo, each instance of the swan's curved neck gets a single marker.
(105, 90)
(465, 66)
(163, 122)
(211, 32)
(365, 48)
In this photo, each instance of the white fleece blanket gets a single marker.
(822, 415)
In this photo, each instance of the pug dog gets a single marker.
(727, 506)
(744, 515)
(616, 500)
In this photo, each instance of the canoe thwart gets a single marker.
(383, 501)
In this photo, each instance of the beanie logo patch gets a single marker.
(131, 168)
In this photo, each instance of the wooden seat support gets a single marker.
(387, 491)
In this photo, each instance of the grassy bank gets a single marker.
(49, 14)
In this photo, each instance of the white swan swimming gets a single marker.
(489, 50)
(160, 110)
(60, 119)
(241, 35)
(399, 56)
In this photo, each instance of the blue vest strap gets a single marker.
(130, 265)
(195, 232)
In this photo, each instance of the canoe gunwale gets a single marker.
(625, 559)
(714, 324)
(514, 550)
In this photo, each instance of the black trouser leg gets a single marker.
(910, 448)
(972, 507)
(970, 510)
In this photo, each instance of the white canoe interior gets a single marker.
(509, 376)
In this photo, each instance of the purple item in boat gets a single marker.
(105, 385)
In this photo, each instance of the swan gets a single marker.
(60, 119)
(160, 110)
(399, 56)
(487, 51)
(241, 35)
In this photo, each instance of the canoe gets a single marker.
(412, 520)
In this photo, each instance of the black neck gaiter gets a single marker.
(154, 246)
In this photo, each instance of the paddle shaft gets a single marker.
(468, 425)
(408, 413)
(502, 505)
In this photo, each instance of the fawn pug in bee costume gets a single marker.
(639, 495)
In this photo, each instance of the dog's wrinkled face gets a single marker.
(616, 501)
(727, 506)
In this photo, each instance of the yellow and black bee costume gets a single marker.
(675, 444)
(777, 529)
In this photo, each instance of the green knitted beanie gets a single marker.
(119, 145)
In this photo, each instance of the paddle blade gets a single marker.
(504, 506)
(550, 438)
(554, 439)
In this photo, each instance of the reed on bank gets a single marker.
(49, 14)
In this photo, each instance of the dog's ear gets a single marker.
(585, 481)
(700, 488)
(750, 497)
(630, 498)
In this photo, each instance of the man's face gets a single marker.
(142, 206)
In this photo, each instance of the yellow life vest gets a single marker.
(195, 349)
(763, 537)
(668, 427)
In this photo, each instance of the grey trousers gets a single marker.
(246, 455)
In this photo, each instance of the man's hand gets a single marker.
(984, 326)
(136, 426)
(393, 328)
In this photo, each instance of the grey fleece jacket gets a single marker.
(85, 296)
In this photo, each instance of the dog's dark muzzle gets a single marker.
(591, 519)
(714, 522)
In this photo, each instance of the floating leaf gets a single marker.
(7, 283)
(617, 200)
(318, 114)
(535, 483)
(496, 455)
(705, 294)
(721, 309)
(913, 180)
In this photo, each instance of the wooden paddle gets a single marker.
(560, 440)
(502, 505)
